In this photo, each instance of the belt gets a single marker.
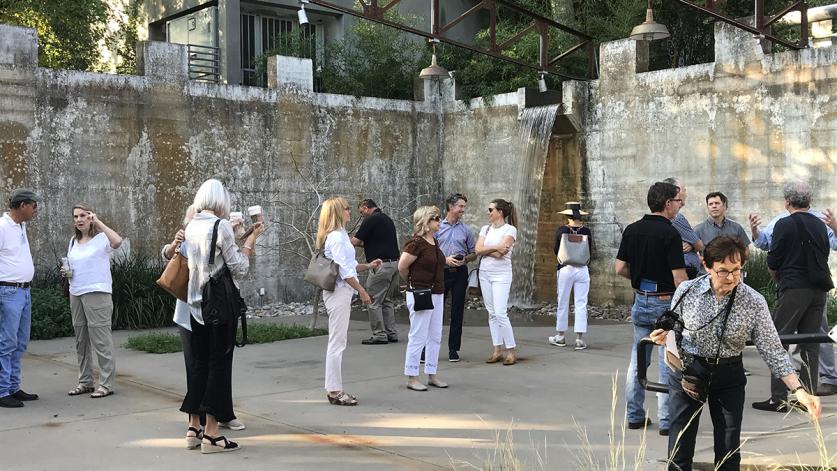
(387, 260)
(14, 284)
(721, 361)
(456, 268)
(654, 294)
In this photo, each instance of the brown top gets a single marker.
(422, 270)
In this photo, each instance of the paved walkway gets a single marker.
(543, 401)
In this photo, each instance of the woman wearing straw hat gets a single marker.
(573, 245)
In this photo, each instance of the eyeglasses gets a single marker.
(726, 273)
(491, 210)
(679, 200)
(436, 218)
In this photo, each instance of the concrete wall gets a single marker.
(137, 148)
(742, 125)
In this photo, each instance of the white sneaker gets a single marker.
(557, 340)
(580, 345)
(233, 424)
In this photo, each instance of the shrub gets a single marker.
(258, 333)
(50, 314)
(138, 303)
(155, 343)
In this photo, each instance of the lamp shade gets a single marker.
(650, 30)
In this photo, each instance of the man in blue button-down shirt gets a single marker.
(762, 239)
(458, 244)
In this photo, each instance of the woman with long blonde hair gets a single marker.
(422, 265)
(333, 240)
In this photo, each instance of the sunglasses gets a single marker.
(436, 218)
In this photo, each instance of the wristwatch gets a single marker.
(793, 391)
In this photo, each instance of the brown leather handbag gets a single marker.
(175, 277)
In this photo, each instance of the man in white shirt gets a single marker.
(16, 271)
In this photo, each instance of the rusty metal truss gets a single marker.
(763, 22)
(375, 10)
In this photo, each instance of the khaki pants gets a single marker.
(92, 314)
(382, 284)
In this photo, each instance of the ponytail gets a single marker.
(509, 213)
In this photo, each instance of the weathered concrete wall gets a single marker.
(742, 125)
(138, 147)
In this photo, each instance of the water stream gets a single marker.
(525, 192)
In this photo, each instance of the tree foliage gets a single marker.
(68, 31)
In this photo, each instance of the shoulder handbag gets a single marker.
(322, 272)
(175, 277)
(221, 302)
(574, 249)
(423, 297)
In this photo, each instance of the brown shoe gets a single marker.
(494, 358)
(510, 358)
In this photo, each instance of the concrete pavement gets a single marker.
(546, 402)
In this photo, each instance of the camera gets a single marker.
(669, 320)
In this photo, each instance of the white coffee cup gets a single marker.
(238, 217)
(255, 213)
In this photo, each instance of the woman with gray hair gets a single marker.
(209, 387)
(422, 265)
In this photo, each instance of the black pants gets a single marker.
(456, 282)
(799, 311)
(726, 407)
(209, 377)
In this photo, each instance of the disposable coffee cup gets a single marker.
(65, 265)
(255, 213)
(237, 216)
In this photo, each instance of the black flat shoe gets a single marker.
(9, 401)
(22, 395)
(639, 425)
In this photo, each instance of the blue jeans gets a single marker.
(15, 322)
(644, 313)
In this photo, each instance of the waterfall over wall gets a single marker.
(525, 185)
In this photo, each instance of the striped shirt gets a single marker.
(688, 235)
(455, 238)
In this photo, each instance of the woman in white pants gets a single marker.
(333, 240)
(572, 277)
(495, 245)
(422, 265)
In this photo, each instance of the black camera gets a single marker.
(669, 320)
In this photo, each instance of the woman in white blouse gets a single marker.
(209, 388)
(495, 245)
(91, 304)
(333, 240)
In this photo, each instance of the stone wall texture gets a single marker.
(138, 147)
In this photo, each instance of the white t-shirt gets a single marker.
(90, 263)
(494, 236)
(15, 257)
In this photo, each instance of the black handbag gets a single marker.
(423, 297)
(221, 301)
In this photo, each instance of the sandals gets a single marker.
(101, 392)
(494, 358)
(214, 447)
(79, 390)
(195, 441)
(342, 399)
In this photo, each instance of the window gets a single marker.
(261, 34)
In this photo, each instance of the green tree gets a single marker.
(68, 31)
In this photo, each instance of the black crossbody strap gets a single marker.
(677, 304)
(214, 241)
(726, 311)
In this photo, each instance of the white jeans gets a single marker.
(338, 303)
(577, 280)
(425, 333)
(495, 294)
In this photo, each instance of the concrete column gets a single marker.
(622, 57)
(18, 47)
(229, 40)
(290, 72)
(163, 62)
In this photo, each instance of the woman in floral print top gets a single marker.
(707, 335)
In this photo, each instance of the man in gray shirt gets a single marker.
(718, 224)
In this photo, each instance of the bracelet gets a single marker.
(793, 391)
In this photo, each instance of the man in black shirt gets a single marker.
(378, 238)
(798, 262)
(651, 256)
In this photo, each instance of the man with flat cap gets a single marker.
(16, 271)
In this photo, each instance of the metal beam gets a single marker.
(373, 12)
